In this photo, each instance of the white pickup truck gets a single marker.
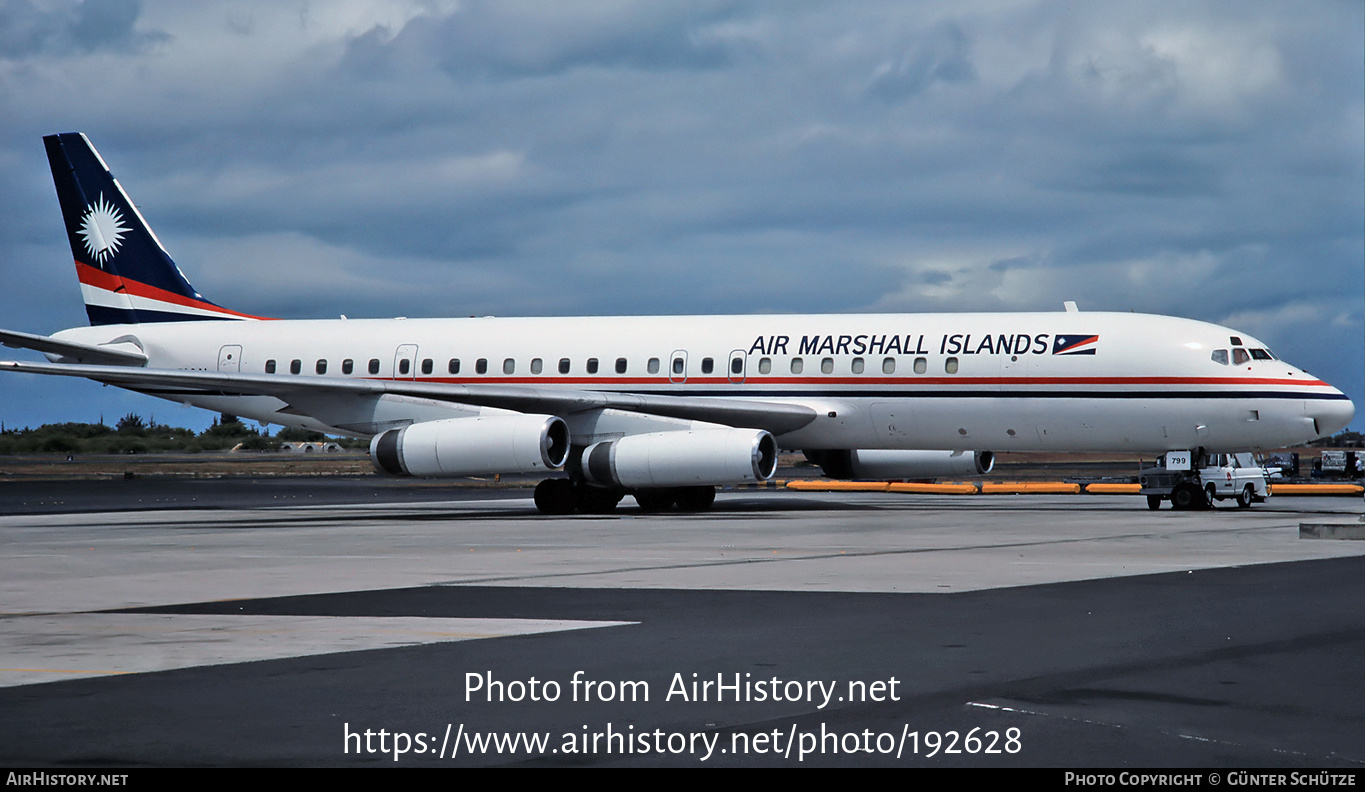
(1194, 480)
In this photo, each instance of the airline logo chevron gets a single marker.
(1075, 344)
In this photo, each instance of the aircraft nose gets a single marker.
(1331, 415)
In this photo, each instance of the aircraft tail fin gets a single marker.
(126, 275)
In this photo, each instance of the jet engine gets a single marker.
(883, 465)
(473, 446)
(682, 459)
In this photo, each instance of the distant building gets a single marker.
(294, 448)
(308, 448)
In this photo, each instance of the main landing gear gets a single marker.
(565, 496)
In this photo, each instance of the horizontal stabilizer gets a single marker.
(72, 352)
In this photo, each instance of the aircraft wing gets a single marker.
(80, 353)
(776, 417)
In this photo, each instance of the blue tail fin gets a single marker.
(126, 276)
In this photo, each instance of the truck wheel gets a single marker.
(1246, 497)
(1187, 496)
(1154, 502)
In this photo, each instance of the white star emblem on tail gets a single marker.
(103, 229)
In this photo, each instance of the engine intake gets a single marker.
(473, 446)
(682, 459)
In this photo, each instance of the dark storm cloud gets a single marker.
(84, 27)
(1153, 173)
(940, 55)
(491, 39)
(449, 158)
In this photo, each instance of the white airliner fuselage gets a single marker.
(911, 381)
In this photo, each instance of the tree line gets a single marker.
(133, 435)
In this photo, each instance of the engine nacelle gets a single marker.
(883, 465)
(473, 446)
(682, 459)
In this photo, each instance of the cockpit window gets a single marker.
(1220, 356)
(1261, 354)
(1240, 356)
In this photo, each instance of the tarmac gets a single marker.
(457, 627)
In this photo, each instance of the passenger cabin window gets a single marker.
(537, 365)
(889, 366)
(653, 366)
(481, 366)
(827, 366)
(321, 367)
(348, 366)
(295, 366)
(707, 365)
(620, 365)
(592, 365)
(765, 365)
(737, 366)
(1239, 356)
(453, 367)
(857, 366)
(678, 366)
(427, 366)
(1220, 356)
(508, 366)
(950, 365)
(374, 365)
(921, 365)
(270, 367)
(563, 365)
(404, 366)
(798, 365)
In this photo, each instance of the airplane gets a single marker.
(666, 408)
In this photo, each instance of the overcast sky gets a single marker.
(308, 159)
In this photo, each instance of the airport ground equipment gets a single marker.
(1196, 479)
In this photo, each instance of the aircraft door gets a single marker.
(738, 360)
(230, 359)
(405, 362)
(677, 366)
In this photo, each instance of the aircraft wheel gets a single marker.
(1154, 502)
(1246, 497)
(595, 500)
(556, 496)
(696, 499)
(655, 500)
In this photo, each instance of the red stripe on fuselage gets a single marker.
(915, 380)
